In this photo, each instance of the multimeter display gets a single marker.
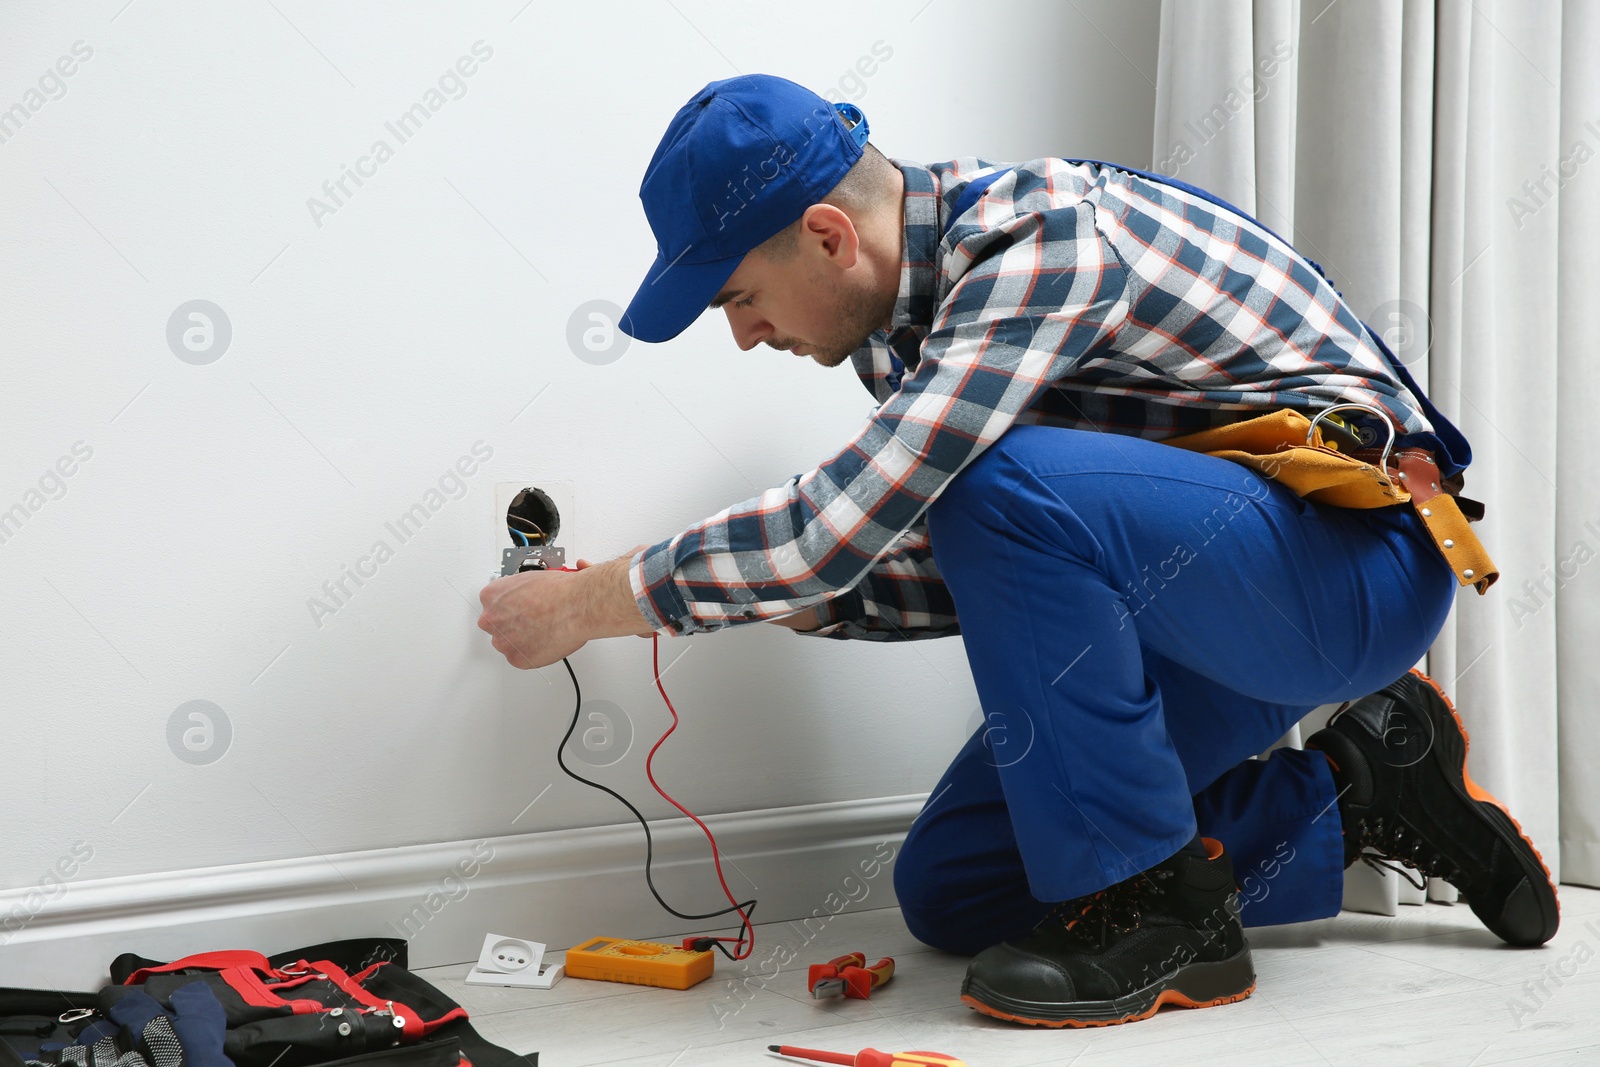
(611, 959)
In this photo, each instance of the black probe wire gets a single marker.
(747, 909)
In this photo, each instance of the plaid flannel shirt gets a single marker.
(1072, 295)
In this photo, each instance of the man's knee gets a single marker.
(949, 912)
(918, 889)
(911, 876)
(926, 909)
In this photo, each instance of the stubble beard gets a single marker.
(861, 314)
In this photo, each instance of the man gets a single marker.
(1139, 618)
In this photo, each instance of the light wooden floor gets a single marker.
(1429, 986)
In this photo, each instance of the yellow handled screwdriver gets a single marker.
(870, 1057)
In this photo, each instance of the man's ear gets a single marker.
(828, 229)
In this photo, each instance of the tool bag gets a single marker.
(348, 1003)
(1423, 469)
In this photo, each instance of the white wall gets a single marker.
(375, 345)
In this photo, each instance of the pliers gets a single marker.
(848, 976)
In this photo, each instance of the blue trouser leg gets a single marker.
(962, 885)
(1139, 620)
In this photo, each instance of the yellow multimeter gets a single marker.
(614, 959)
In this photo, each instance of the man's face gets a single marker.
(816, 299)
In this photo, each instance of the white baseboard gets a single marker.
(557, 887)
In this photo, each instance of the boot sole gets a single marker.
(1197, 985)
(1450, 756)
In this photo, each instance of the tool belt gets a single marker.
(1334, 467)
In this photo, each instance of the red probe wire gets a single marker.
(746, 941)
(746, 944)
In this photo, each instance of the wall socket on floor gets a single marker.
(513, 961)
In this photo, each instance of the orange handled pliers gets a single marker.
(849, 976)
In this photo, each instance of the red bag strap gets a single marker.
(218, 961)
(362, 976)
(242, 969)
(252, 990)
(415, 1025)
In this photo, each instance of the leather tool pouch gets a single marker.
(1286, 446)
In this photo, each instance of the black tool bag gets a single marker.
(347, 1003)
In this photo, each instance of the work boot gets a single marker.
(1399, 761)
(1170, 935)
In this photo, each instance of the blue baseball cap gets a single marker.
(741, 160)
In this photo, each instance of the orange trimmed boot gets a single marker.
(1170, 935)
(1399, 762)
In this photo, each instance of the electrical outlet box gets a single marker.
(549, 494)
(513, 961)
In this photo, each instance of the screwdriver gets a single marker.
(870, 1057)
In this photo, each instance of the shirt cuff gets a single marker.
(837, 614)
(650, 576)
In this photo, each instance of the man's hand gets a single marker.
(539, 617)
(535, 617)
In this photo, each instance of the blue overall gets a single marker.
(1141, 620)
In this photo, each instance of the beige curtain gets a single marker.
(1442, 162)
